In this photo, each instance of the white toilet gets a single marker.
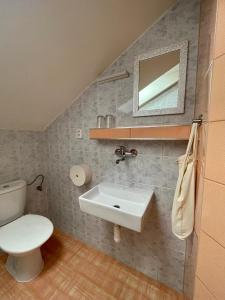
(21, 235)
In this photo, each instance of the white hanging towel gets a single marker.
(184, 198)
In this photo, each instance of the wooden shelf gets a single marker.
(109, 133)
(163, 132)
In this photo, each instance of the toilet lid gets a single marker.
(25, 233)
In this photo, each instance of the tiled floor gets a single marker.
(75, 271)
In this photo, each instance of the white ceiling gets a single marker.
(50, 50)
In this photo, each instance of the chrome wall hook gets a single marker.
(199, 120)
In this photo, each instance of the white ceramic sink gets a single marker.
(118, 204)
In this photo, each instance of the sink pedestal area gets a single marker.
(125, 206)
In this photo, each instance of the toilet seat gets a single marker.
(25, 234)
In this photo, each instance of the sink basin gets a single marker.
(118, 204)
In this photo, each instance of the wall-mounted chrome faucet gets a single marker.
(124, 153)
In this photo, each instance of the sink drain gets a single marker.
(116, 206)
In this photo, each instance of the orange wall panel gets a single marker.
(217, 99)
(215, 157)
(213, 213)
(211, 266)
(201, 292)
(220, 26)
(210, 271)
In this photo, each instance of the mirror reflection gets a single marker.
(158, 81)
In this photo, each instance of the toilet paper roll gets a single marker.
(80, 174)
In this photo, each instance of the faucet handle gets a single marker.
(124, 153)
(133, 152)
(120, 151)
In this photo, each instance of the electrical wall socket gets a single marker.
(78, 133)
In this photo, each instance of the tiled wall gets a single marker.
(22, 156)
(25, 154)
(210, 272)
(155, 251)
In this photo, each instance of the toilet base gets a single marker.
(25, 267)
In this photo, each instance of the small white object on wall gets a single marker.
(78, 134)
(80, 174)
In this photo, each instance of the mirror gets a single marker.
(159, 81)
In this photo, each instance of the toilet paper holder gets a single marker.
(80, 174)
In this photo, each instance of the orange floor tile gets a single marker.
(76, 271)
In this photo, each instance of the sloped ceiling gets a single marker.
(50, 50)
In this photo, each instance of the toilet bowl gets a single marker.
(22, 240)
